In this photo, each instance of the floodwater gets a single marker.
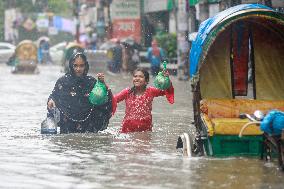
(109, 159)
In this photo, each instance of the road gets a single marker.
(109, 159)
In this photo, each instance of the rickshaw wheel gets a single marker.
(185, 141)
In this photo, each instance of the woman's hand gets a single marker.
(101, 77)
(50, 104)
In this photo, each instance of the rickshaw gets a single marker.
(71, 48)
(236, 67)
(25, 58)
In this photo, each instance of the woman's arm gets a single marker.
(50, 102)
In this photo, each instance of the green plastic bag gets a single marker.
(162, 82)
(98, 95)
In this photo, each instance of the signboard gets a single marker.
(155, 5)
(126, 22)
(125, 9)
(127, 28)
(42, 22)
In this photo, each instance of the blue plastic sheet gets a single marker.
(273, 122)
(207, 26)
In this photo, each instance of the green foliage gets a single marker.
(168, 41)
(59, 7)
(2, 9)
(25, 6)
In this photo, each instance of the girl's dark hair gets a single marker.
(146, 75)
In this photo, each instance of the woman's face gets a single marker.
(79, 67)
(139, 79)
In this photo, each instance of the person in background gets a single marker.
(117, 56)
(70, 97)
(126, 57)
(134, 61)
(94, 40)
(40, 52)
(155, 56)
(46, 58)
(138, 100)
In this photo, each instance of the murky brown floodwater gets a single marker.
(109, 159)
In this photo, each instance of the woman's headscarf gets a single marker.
(75, 55)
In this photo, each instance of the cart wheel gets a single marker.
(185, 141)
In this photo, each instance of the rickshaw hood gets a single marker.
(199, 47)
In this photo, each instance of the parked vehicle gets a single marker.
(6, 51)
(25, 58)
(247, 35)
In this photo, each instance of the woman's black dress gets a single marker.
(77, 114)
(70, 95)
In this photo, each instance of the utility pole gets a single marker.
(101, 21)
(182, 39)
(76, 9)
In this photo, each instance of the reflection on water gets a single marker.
(109, 159)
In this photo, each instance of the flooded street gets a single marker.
(109, 159)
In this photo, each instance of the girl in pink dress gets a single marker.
(138, 100)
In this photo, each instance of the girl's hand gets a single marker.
(166, 73)
(51, 104)
(101, 77)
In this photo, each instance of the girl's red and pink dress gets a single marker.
(138, 116)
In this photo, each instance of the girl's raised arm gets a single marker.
(121, 95)
(170, 93)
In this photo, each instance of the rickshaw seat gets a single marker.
(221, 116)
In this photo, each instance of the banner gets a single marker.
(126, 22)
(127, 28)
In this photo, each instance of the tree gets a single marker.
(2, 10)
(59, 7)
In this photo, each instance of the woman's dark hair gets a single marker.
(73, 58)
(146, 75)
